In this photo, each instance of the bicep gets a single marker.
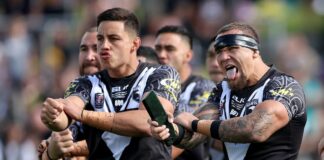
(269, 116)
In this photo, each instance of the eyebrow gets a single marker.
(83, 45)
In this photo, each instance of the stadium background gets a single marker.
(39, 46)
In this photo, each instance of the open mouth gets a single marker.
(231, 72)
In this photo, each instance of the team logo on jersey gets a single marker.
(99, 100)
(136, 95)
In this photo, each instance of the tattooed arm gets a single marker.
(208, 112)
(80, 149)
(268, 117)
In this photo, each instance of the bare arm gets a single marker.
(80, 148)
(268, 117)
(207, 112)
(130, 123)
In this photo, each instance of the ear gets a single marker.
(189, 55)
(256, 54)
(136, 44)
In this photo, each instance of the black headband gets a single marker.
(235, 40)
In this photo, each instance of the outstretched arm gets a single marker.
(130, 123)
(268, 117)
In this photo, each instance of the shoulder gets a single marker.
(288, 91)
(281, 83)
(202, 83)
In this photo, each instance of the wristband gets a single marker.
(214, 129)
(180, 136)
(194, 125)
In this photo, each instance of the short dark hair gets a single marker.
(182, 31)
(147, 52)
(120, 14)
(245, 28)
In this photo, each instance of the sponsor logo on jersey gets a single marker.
(115, 89)
(234, 112)
(237, 99)
(99, 100)
(119, 102)
(136, 95)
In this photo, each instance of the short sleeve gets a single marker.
(191, 98)
(289, 92)
(80, 87)
(165, 81)
(214, 97)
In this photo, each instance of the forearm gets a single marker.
(191, 139)
(80, 149)
(255, 127)
(130, 123)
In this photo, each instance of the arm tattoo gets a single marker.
(248, 128)
(80, 150)
(206, 112)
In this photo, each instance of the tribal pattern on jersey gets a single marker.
(194, 93)
(274, 85)
(106, 94)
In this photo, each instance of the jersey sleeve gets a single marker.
(165, 81)
(289, 92)
(214, 97)
(80, 87)
(194, 95)
(201, 92)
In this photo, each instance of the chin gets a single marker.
(90, 71)
(237, 84)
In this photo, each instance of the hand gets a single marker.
(185, 119)
(73, 108)
(52, 108)
(41, 148)
(160, 132)
(60, 144)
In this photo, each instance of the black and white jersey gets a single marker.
(106, 94)
(194, 93)
(274, 85)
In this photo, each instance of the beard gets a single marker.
(84, 66)
(238, 84)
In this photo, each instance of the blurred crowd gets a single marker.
(39, 46)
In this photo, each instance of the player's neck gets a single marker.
(124, 70)
(260, 70)
(185, 73)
